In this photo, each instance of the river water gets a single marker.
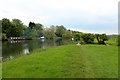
(14, 49)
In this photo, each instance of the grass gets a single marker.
(68, 61)
(0, 70)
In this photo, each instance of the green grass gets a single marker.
(68, 61)
(0, 70)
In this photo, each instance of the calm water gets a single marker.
(13, 49)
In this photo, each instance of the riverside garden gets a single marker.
(96, 56)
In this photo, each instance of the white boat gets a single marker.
(42, 37)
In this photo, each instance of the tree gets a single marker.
(26, 32)
(6, 27)
(88, 38)
(39, 29)
(12, 29)
(0, 29)
(17, 28)
(0, 26)
(48, 33)
(33, 34)
(101, 38)
(53, 30)
(60, 31)
(35, 30)
(31, 25)
(77, 37)
(67, 34)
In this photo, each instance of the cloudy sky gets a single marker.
(96, 16)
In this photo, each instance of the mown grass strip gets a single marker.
(67, 61)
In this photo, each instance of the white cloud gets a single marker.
(50, 12)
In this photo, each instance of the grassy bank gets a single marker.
(68, 61)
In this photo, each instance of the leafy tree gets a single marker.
(27, 32)
(53, 30)
(101, 38)
(31, 25)
(39, 29)
(24, 30)
(0, 26)
(88, 38)
(17, 28)
(48, 33)
(34, 30)
(60, 31)
(67, 34)
(33, 34)
(6, 27)
(12, 29)
(77, 37)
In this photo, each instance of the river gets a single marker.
(14, 49)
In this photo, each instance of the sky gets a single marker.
(91, 16)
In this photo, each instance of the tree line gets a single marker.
(15, 28)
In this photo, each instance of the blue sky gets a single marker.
(95, 16)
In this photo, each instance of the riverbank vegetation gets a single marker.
(67, 61)
(16, 28)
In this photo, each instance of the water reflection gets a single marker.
(26, 51)
(11, 57)
(43, 40)
(15, 41)
(12, 49)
